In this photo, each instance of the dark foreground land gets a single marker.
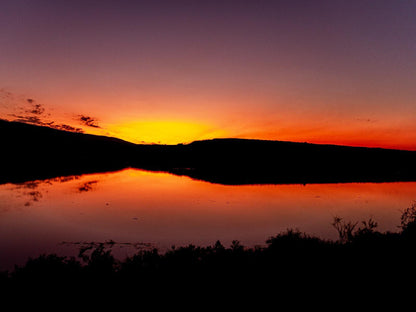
(363, 260)
(31, 152)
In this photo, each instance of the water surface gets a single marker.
(160, 210)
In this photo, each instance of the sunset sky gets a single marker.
(339, 72)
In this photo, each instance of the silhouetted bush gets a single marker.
(408, 222)
(362, 257)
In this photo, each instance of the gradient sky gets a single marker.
(341, 72)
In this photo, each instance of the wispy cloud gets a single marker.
(67, 128)
(366, 120)
(28, 110)
(87, 186)
(88, 121)
(35, 120)
(36, 109)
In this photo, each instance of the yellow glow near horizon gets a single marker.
(164, 132)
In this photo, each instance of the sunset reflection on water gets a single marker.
(160, 210)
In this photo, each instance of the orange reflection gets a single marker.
(165, 210)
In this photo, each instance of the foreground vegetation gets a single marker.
(362, 257)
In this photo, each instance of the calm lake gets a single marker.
(140, 209)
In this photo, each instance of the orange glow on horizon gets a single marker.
(164, 131)
(337, 132)
(151, 73)
(393, 131)
(325, 138)
(180, 131)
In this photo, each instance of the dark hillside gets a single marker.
(34, 152)
(31, 152)
(235, 161)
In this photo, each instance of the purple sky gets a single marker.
(331, 71)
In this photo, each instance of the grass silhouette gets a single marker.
(362, 259)
(361, 264)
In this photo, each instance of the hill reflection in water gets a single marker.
(159, 209)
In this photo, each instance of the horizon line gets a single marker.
(211, 139)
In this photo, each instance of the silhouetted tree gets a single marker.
(408, 220)
(345, 229)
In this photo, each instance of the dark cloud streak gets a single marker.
(67, 128)
(37, 109)
(88, 121)
(35, 120)
(87, 186)
(28, 110)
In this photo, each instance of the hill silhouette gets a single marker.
(32, 152)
